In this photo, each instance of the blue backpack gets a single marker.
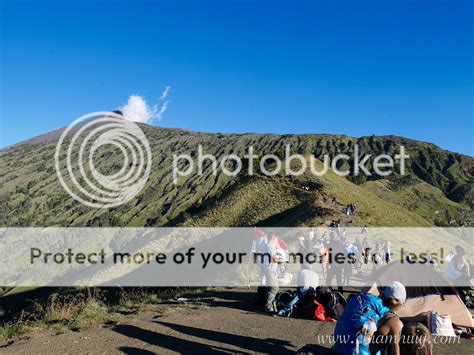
(358, 311)
(285, 302)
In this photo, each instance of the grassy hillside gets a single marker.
(30, 194)
(281, 201)
(423, 199)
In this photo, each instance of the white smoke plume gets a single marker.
(165, 93)
(163, 109)
(137, 109)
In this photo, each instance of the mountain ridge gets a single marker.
(54, 135)
(30, 193)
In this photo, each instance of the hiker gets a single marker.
(324, 237)
(306, 279)
(334, 267)
(334, 226)
(334, 202)
(350, 208)
(347, 210)
(365, 243)
(358, 244)
(364, 229)
(358, 247)
(415, 339)
(347, 267)
(387, 252)
(321, 251)
(306, 249)
(354, 208)
(377, 257)
(271, 273)
(344, 235)
(450, 256)
(433, 262)
(259, 245)
(368, 317)
(457, 270)
(301, 242)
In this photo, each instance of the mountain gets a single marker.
(437, 190)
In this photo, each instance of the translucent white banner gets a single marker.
(235, 256)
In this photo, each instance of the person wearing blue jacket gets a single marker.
(361, 309)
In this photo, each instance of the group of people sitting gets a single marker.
(367, 323)
(353, 333)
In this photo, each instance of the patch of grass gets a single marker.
(136, 300)
(62, 313)
(91, 314)
(11, 330)
(59, 328)
(66, 309)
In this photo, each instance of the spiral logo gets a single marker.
(103, 160)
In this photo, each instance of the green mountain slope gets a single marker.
(282, 202)
(423, 199)
(30, 194)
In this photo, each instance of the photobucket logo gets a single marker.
(292, 164)
(111, 134)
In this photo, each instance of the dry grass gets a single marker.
(60, 312)
(86, 308)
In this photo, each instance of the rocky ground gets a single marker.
(227, 322)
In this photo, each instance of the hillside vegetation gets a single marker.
(437, 191)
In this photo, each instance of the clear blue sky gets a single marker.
(353, 67)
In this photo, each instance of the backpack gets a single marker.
(365, 306)
(309, 307)
(282, 299)
(358, 311)
(333, 302)
(285, 302)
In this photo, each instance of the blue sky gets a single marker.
(353, 67)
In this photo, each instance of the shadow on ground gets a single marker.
(166, 341)
(179, 344)
(134, 351)
(244, 301)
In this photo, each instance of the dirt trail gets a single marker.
(228, 325)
